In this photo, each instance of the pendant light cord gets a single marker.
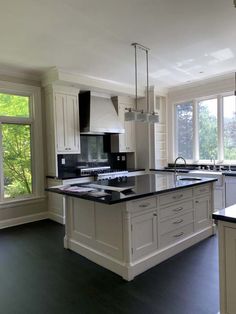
(136, 77)
(147, 81)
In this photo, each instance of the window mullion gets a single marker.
(220, 126)
(195, 132)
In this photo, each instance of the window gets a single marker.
(229, 127)
(21, 144)
(207, 119)
(16, 159)
(206, 129)
(184, 121)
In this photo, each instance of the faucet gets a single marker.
(176, 163)
(214, 163)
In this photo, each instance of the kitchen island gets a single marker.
(129, 225)
(227, 258)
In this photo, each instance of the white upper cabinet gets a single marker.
(67, 123)
(62, 124)
(123, 143)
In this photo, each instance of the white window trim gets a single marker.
(220, 125)
(35, 121)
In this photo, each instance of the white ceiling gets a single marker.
(189, 39)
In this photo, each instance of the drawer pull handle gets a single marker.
(178, 235)
(178, 221)
(177, 197)
(197, 202)
(178, 209)
(155, 214)
(202, 190)
(144, 205)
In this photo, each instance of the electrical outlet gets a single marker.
(118, 158)
(63, 161)
(123, 158)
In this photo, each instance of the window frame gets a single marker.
(220, 129)
(35, 122)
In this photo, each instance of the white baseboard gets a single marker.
(23, 220)
(55, 217)
(129, 271)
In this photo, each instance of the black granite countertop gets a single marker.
(226, 214)
(231, 173)
(132, 187)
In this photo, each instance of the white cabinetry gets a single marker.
(123, 143)
(227, 260)
(56, 202)
(62, 124)
(144, 234)
(230, 190)
(130, 237)
(219, 186)
(67, 123)
(202, 212)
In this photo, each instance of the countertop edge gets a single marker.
(100, 200)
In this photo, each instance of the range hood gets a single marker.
(98, 114)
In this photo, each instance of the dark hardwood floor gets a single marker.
(38, 276)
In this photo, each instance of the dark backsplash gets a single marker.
(95, 152)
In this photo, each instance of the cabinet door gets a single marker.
(202, 213)
(144, 234)
(230, 188)
(59, 109)
(230, 267)
(67, 123)
(72, 124)
(129, 136)
(219, 199)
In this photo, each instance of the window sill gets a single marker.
(22, 201)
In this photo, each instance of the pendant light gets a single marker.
(135, 114)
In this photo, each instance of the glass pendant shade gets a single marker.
(141, 117)
(130, 116)
(153, 118)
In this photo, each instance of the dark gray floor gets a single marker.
(38, 276)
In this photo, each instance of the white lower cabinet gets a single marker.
(227, 260)
(230, 188)
(56, 202)
(144, 234)
(202, 212)
(131, 237)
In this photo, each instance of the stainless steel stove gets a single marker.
(105, 172)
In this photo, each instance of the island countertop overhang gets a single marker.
(134, 187)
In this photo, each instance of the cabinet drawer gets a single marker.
(175, 196)
(203, 189)
(176, 222)
(176, 209)
(176, 235)
(143, 204)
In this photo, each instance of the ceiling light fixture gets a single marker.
(135, 114)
